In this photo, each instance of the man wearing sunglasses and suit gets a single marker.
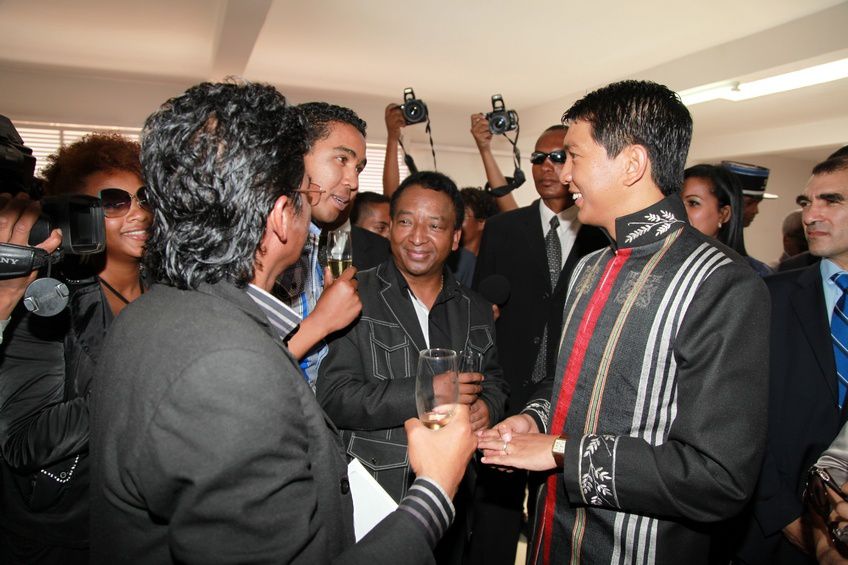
(535, 248)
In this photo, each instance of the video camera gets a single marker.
(414, 110)
(80, 218)
(500, 119)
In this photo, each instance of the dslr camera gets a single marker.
(414, 110)
(500, 119)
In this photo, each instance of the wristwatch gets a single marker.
(558, 450)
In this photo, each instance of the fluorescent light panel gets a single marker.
(735, 91)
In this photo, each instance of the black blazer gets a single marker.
(209, 447)
(803, 413)
(368, 248)
(513, 246)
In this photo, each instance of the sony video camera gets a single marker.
(414, 110)
(79, 217)
(500, 119)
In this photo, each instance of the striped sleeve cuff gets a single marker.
(539, 410)
(430, 506)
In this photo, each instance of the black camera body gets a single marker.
(79, 217)
(500, 119)
(414, 110)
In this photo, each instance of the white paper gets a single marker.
(371, 503)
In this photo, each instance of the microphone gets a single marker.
(495, 289)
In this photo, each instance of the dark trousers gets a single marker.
(498, 512)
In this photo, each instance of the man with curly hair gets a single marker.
(207, 444)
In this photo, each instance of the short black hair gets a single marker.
(363, 201)
(642, 113)
(727, 190)
(841, 152)
(320, 115)
(433, 181)
(215, 159)
(481, 203)
(831, 165)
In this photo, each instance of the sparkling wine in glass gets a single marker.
(339, 254)
(436, 387)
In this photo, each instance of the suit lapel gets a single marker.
(535, 242)
(809, 306)
(401, 308)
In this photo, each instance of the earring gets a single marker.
(719, 225)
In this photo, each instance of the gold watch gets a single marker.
(558, 450)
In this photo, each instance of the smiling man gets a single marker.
(807, 393)
(654, 423)
(409, 303)
(318, 305)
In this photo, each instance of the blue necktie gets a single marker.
(839, 334)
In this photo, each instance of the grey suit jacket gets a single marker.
(209, 447)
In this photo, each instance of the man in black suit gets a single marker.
(207, 444)
(515, 245)
(806, 406)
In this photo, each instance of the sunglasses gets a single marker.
(116, 202)
(538, 157)
(819, 482)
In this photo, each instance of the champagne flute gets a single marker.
(436, 387)
(339, 254)
(470, 361)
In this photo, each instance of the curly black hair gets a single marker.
(319, 116)
(68, 168)
(434, 181)
(643, 113)
(215, 159)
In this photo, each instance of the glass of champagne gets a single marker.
(470, 361)
(436, 387)
(339, 254)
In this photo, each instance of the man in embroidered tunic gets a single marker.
(654, 423)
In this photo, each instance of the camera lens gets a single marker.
(413, 111)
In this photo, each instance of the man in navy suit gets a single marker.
(805, 409)
(515, 245)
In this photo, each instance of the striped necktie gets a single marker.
(839, 334)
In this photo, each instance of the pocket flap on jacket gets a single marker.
(378, 454)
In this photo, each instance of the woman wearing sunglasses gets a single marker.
(48, 364)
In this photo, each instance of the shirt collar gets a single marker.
(652, 224)
(450, 286)
(283, 319)
(828, 269)
(566, 217)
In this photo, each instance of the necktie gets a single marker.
(839, 334)
(553, 249)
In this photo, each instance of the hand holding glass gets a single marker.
(436, 387)
(339, 254)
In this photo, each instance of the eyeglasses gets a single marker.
(538, 157)
(817, 496)
(312, 195)
(116, 202)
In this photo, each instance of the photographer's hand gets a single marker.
(17, 216)
(391, 171)
(494, 176)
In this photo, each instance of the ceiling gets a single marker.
(112, 61)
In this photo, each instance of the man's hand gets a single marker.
(528, 451)
(518, 424)
(441, 455)
(338, 306)
(479, 415)
(480, 132)
(17, 216)
(394, 121)
(469, 386)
